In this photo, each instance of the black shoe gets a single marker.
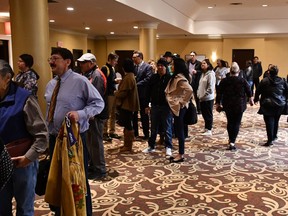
(113, 135)
(172, 160)
(95, 176)
(267, 144)
(107, 138)
(232, 148)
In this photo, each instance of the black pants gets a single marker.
(271, 123)
(233, 125)
(207, 113)
(144, 121)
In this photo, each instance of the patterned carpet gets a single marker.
(211, 181)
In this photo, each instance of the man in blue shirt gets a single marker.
(76, 98)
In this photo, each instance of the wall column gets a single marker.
(30, 34)
(147, 40)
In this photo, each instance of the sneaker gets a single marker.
(148, 150)
(116, 136)
(232, 148)
(168, 151)
(207, 133)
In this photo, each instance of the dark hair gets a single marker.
(193, 52)
(112, 56)
(180, 68)
(273, 71)
(140, 54)
(210, 67)
(5, 68)
(65, 54)
(223, 63)
(128, 65)
(27, 59)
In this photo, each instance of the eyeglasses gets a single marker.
(53, 59)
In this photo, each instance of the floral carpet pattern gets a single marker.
(211, 181)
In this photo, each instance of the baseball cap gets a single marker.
(87, 57)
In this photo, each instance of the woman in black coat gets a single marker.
(274, 93)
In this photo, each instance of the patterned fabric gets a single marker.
(66, 186)
(28, 80)
(6, 168)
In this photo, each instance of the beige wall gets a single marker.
(269, 50)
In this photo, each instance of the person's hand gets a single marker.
(73, 116)
(20, 161)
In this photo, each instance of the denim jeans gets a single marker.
(22, 187)
(161, 115)
(179, 129)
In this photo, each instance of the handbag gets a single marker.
(190, 117)
(42, 175)
(6, 167)
(19, 147)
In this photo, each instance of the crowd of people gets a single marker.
(96, 98)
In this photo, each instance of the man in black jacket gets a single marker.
(257, 72)
(194, 67)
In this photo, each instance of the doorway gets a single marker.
(4, 50)
(123, 54)
(241, 56)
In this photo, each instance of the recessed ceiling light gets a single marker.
(112, 32)
(135, 27)
(264, 5)
(109, 20)
(210, 7)
(70, 8)
(236, 3)
(87, 28)
(51, 21)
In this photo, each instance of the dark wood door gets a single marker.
(241, 55)
(123, 54)
(4, 50)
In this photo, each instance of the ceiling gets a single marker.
(173, 18)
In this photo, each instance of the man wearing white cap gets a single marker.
(97, 168)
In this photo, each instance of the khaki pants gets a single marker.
(112, 116)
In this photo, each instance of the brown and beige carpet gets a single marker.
(211, 181)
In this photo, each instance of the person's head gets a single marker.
(128, 65)
(25, 62)
(179, 66)
(206, 65)
(273, 71)
(60, 61)
(193, 55)
(6, 75)
(221, 63)
(255, 60)
(137, 57)
(162, 66)
(168, 56)
(234, 68)
(248, 63)
(87, 62)
(153, 64)
(113, 59)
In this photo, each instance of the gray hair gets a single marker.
(5, 69)
(235, 68)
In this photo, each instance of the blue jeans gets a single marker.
(179, 129)
(22, 187)
(161, 115)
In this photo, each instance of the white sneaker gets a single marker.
(168, 151)
(207, 133)
(148, 150)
